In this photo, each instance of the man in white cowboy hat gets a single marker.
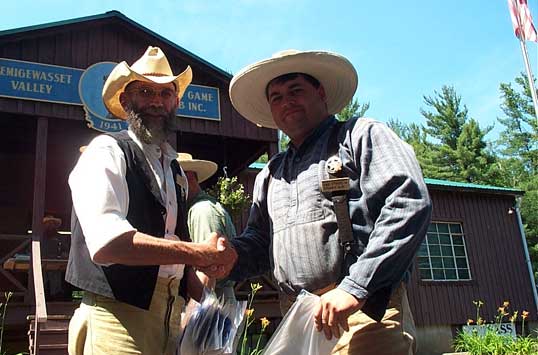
(130, 241)
(341, 212)
(206, 214)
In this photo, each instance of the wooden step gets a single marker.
(53, 335)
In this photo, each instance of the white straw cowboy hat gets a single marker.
(204, 169)
(152, 67)
(334, 72)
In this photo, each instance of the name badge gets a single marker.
(339, 184)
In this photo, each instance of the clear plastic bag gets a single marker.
(297, 332)
(211, 326)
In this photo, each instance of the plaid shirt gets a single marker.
(292, 227)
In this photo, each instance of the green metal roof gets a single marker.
(110, 14)
(445, 184)
(469, 186)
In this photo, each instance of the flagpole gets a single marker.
(529, 76)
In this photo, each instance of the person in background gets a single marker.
(206, 214)
(130, 246)
(56, 247)
(341, 212)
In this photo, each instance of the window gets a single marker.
(442, 256)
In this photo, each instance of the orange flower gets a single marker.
(470, 321)
(524, 314)
(249, 312)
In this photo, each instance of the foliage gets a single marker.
(245, 350)
(231, 194)
(353, 109)
(453, 146)
(456, 143)
(490, 342)
(518, 147)
(3, 310)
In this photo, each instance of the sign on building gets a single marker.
(71, 86)
(504, 329)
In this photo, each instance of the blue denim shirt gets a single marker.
(292, 228)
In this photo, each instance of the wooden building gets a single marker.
(474, 249)
(51, 78)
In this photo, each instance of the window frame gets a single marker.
(450, 230)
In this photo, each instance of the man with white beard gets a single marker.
(130, 243)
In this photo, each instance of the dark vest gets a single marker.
(129, 284)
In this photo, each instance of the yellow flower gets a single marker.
(478, 303)
(479, 321)
(506, 304)
(249, 312)
(514, 317)
(265, 322)
(500, 309)
(255, 287)
(524, 314)
(470, 321)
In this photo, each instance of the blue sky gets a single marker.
(402, 50)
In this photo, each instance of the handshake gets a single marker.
(217, 256)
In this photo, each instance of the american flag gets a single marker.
(522, 20)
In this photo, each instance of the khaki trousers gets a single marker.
(105, 326)
(394, 335)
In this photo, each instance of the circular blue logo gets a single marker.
(90, 90)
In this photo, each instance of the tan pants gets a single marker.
(105, 326)
(394, 335)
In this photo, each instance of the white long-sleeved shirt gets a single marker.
(101, 195)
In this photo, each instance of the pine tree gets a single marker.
(519, 149)
(353, 109)
(459, 149)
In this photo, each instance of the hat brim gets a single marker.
(204, 169)
(334, 72)
(55, 222)
(122, 75)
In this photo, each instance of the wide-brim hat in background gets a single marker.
(334, 72)
(152, 67)
(51, 221)
(204, 169)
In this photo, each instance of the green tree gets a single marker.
(518, 146)
(518, 139)
(459, 151)
(353, 109)
(415, 135)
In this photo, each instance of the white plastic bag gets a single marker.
(297, 332)
(211, 326)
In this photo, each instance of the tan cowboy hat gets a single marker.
(204, 169)
(52, 221)
(334, 72)
(152, 67)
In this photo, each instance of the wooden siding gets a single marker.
(495, 254)
(496, 261)
(79, 45)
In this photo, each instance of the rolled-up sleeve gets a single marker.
(100, 193)
(398, 202)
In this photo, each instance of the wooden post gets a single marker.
(35, 279)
